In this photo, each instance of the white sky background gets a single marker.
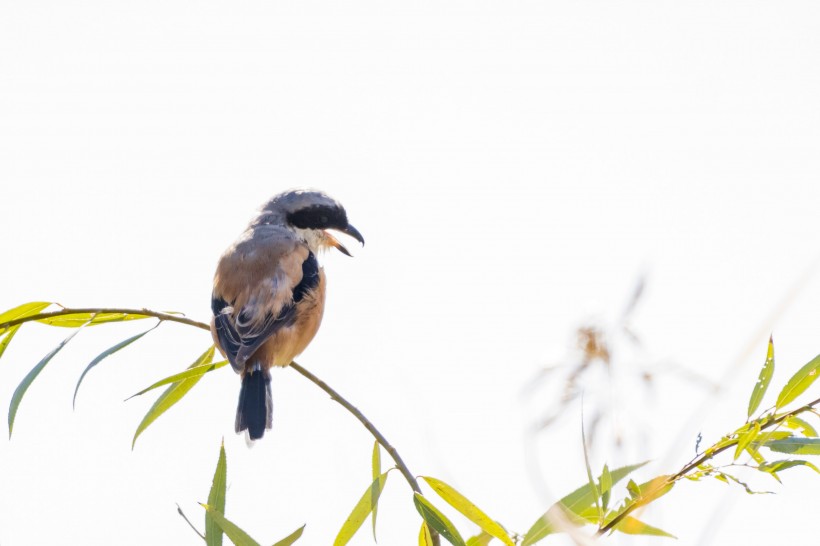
(514, 168)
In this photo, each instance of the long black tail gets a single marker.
(254, 412)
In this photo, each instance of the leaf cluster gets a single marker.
(179, 384)
(775, 429)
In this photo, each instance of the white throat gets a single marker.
(314, 238)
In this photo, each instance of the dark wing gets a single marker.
(240, 337)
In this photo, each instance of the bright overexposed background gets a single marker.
(515, 168)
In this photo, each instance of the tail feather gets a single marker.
(254, 412)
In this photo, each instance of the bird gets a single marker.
(269, 294)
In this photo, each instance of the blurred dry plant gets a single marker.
(601, 351)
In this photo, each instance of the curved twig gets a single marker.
(367, 424)
(169, 317)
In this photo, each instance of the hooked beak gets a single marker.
(349, 230)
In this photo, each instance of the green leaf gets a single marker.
(755, 454)
(21, 311)
(744, 485)
(468, 509)
(763, 380)
(746, 438)
(6, 339)
(106, 354)
(776, 466)
(634, 490)
(655, 488)
(481, 539)
(172, 395)
(437, 520)
(799, 382)
(17, 397)
(795, 446)
(590, 479)
(633, 526)
(361, 510)
(216, 499)
(75, 320)
(606, 486)
(291, 538)
(192, 372)
(425, 538)
(773, 435)
(798, 424)
(376, 465)
(237, 535)
(576, 502)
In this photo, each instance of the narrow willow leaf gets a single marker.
(799, 382)
(633, 489)
(655, 488)
(105, 354)
(746, 438)
(291, 538)
(795, 446)
(755, 454)
(216, 499)
(468, 509)
(172, 395)
(606, 486)
(590, 479)
(726, 478)
(9, 334)
(576, 502)
(17, 397)
(192, 372)
(237, 535)
(763, 380)
(425, 538)
(590, 515)
(482, 539)
(361, 510)
(744, 485)
(26, 310)
(777, 466)
(798, 424)
(437, 520)
(645, 493)
(769, 436)
(75, 320)
(633, 526)
(376, 465)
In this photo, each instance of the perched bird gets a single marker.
(269, 294)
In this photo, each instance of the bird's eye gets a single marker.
(324, 219)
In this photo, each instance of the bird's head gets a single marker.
(309, 214)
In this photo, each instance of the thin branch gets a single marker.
(699, 460)
(181, 513)
(367, 424)
(372, 429)
(115, 310)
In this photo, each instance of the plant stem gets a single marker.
(147, 312)
(699, 460)
(372, 429)
(181, 513)
(367, 424)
